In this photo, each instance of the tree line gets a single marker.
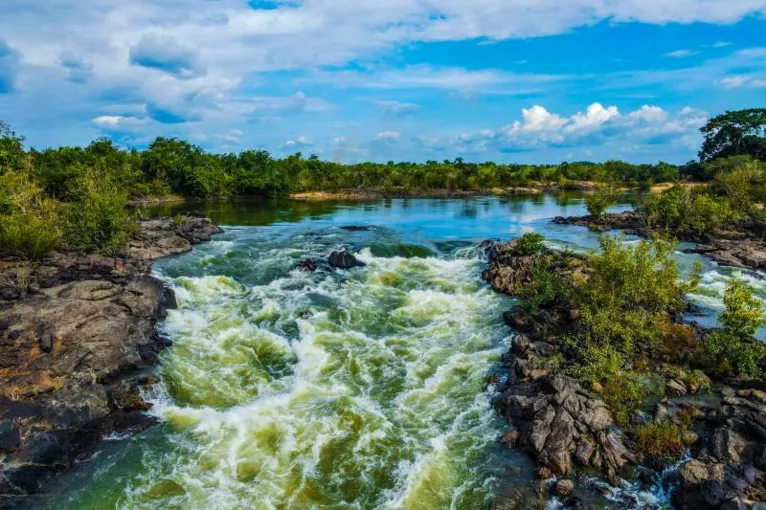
(75, 196)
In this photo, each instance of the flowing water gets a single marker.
(362, 388)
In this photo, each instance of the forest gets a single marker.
(75, 197)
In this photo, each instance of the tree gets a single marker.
(11, 149)
(735, 133)
(597, 203)
(733, 348)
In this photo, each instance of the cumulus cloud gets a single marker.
(79, 70)
(167, 54)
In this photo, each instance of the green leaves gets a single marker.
(734, 133)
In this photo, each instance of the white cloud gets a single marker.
(680, 53)
(742, 81)
(594, 117)
(388, 135)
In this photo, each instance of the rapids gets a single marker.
(364, 388)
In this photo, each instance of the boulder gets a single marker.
(343, 260)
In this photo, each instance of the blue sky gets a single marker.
(505, 80)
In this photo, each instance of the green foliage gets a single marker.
(735, 133)
(11, 149)
(96, 217)
(28, 221)
(530, 243)
(680, 209)
(603, 366)
(597, 203)
(741, 179)
(732, 349)
(664, 439)
(544, 289)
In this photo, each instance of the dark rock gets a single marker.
(307, 266)
(519, 320)
(343, 260)
(9, 437)
(356, 228)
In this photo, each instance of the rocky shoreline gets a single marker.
(573, 436)
(78, 337)
(742, 248)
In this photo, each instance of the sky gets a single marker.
(525, 81)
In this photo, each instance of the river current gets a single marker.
(362, 388)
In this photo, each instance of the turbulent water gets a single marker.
(362, 388)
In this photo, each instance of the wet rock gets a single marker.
(343, 260)
(356, 228)
(511, 439)
(676, 388)
(307, 266)
(9, 437)
(563, 488)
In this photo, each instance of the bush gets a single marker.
(530, 243)
(545, 289)
(679, 209)
(663, 439)
(29, 222)
(732, 349)
(597, 203)
(97, 218)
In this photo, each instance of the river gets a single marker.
(363, 388)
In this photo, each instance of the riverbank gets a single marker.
(77, 332)
(698, 442)
(741, 248)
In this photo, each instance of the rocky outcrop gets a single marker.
(558, 422)
(75, 335)
(730, 465)
(745, 253)
(740, 248)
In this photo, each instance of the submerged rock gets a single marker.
(343, 260)
(307, 266)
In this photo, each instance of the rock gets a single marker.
(728, 445)
(9, 437)
(585, 452)
(307, 266)
(343, 260)
(563, 488)
(597, 387)
(676, 388)
(544, 473)
(693, 472)
(661, 413)
(510, 439)
(519, 321)
(70, 352)
(520, 345)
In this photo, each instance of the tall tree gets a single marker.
(734, 133)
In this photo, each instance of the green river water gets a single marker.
(354, 389)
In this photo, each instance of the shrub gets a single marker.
(97, 218)
(545, 288)
(597, 203)
(679, 209)
(29, 222)
(732, 349)
(530, 243)
(663, 439)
